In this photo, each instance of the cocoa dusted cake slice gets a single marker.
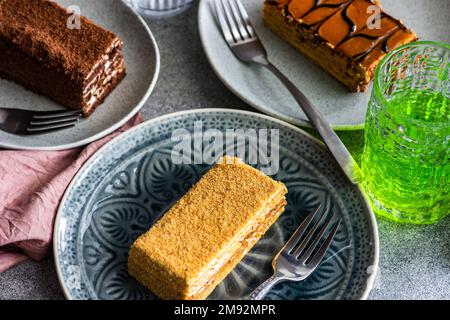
(337, 35)
(77, 68)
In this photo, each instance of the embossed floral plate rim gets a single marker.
(372, 266)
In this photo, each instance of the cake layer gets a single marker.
(103, 82)
(207, 232)
(77, 68)
(339, 35)
(245, 245)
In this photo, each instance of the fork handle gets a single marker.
(331, 139)
(264, 288)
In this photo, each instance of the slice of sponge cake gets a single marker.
(347, 38)
(193, 247)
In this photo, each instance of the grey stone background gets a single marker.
(414, 261)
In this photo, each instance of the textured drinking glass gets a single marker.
(406, 153)
(160, 8)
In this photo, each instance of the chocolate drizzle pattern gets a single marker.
(332, 21)
(322, 4)
(348, 20)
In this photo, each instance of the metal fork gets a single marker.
(300, 256)
(26, 122)
(246, 46)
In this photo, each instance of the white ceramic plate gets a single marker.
(257, 86)
(142, 63)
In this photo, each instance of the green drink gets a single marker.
(406, 157)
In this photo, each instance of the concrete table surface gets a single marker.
(414, 260)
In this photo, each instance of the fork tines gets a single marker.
(46, 121)
(234, 21)
(308, 243)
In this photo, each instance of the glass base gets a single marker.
(394, 215)
(165, 10)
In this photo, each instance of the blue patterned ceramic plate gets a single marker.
(124, 188)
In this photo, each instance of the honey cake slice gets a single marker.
(337, 35)
(193, 247)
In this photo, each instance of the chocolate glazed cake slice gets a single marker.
(77, 68)
(336, 35)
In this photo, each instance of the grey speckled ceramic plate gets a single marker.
(257, 87)
(142, 62)
(126, 186)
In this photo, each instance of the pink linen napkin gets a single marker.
(32, 184)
